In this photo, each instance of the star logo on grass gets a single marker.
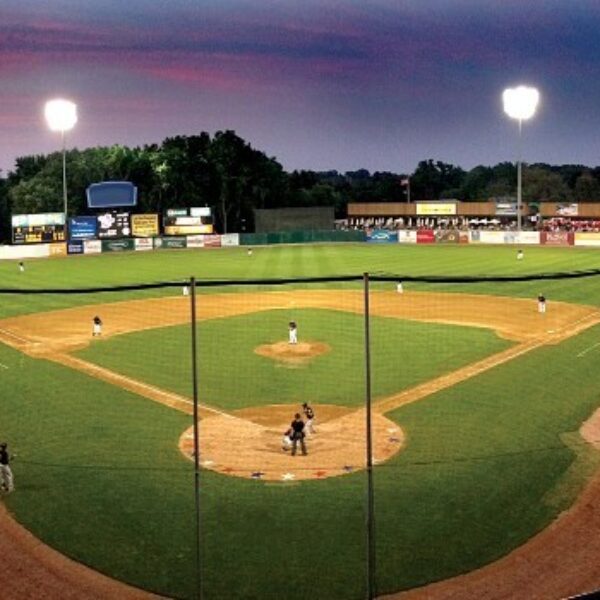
(257, 475)
(288, 477)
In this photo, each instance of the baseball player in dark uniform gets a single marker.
(297, 427)
(6, 476)
(309, 413)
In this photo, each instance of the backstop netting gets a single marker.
(446, 423)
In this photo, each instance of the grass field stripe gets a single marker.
(589, 349)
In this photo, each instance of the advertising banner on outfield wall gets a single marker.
(557, 238)
(446, 236)
(381, 236)
(92, 246)
(230, 239)
(58, 249)
(487, 237)
(425, 236)
(212, 241)
(587, 239)
(117, 245)
(172, 243)
(75, 247)
(407, 236)
(195, 241)
(143, 244)
(436, 208)
(527, 237)
(144, 225)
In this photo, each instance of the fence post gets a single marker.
(196, 438)
(369, 449)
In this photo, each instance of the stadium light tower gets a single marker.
(61, 115)
(520, 103)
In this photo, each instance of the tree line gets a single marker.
(224, 172)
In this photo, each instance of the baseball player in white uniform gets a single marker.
(293, 333)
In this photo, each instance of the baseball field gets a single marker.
(486, 439)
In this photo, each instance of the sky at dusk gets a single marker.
(317, 84)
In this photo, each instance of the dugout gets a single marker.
(313, 218)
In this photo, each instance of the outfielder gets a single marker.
(293, 333)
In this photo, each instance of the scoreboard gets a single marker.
(38, 228)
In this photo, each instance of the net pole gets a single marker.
(194, 341)
(369, 449)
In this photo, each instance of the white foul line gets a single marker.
(584, 352)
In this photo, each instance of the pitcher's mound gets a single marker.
(294, 354)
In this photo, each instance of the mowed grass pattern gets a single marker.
(486, 465)
(233, 376)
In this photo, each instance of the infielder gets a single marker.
(541, 303)
(6, 476)
(309, 413)
(293, 333)
(97, 326)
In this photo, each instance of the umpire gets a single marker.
(298, 435)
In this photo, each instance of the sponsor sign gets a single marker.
(528, 237)
(188, 229)
(117, 245)
(443, 236)
(144, 225)
(75, 247)
(381, 236)
(82, 228)
(557, 238)
(143, 244)
(567, 209)
(407, 236)
(177, 212)
(57, 249)
(436, 208)
(587, 239)
(506, 209)
(230, 239)
(114, 224)
(92, 246)
(176, 243)
(488, 237)
(195, 241)
(38, 219)
(212, 241)
(425, 236)
(200, 211)
(463, 237)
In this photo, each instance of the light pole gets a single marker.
(520, 103)
(61, 115)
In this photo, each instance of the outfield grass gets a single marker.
(486, 464)
(233, 376)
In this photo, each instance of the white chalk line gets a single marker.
(589, 349)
